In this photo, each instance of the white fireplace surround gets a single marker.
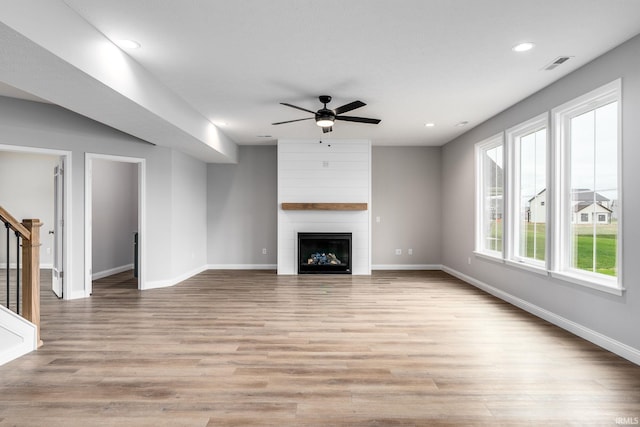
(331, 171)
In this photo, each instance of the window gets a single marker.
(587, 146)
(551, 202)
(527, 144)
(490, 193)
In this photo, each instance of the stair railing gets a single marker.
(27, 235)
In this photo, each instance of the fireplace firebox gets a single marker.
(324, 253)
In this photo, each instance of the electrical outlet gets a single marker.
(398, 251)
(409, 251)
(48, 251)
(264, 251)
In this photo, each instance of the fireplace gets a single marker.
(324, 253)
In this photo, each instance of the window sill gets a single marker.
(529, 267)
(578, 279)
(495, 258)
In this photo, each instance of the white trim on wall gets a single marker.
(241, 267)
(175, 280)
(406, 267)
(608, 343)
(111, 271)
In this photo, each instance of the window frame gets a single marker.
(558, 210)
(561, 250)
(481, 147)
(513, 135)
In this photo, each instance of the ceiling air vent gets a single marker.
(556, 62)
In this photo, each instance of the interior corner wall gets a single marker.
(27, 192)
(242, 210)
(189, 215)
(406, 211)
(33, 124)
(612, 318)
(114, 215)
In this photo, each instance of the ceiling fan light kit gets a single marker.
(326, 117)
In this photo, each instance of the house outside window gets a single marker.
(527, 155)
(587, 145)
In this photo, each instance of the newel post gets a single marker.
(31, 274)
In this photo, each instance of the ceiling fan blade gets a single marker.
(350, 106)
(358, 119)
(298, 108)
(291, 121)
(327, 129)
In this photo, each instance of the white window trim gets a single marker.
(491, 142)
(511, 234)
(560, 233)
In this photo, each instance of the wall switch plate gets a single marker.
(469, 260)
(377, 219)
(410, 251)
(398, 251)
(264, 251)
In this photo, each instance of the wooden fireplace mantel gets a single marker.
(324, 206)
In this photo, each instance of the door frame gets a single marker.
(67, 262)
(88, 216)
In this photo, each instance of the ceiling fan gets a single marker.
(325, 117)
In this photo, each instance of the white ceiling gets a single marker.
(411, 61)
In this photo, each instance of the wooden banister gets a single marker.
(14, 224)
(31, 274)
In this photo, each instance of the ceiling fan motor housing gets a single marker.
(325, 114)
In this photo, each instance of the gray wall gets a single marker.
(189, 214)
(26, 191)
(115, 214)
(31, 124)
(242, 209)
(614, 317)
(406, 184)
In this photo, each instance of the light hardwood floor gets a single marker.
(245, 348)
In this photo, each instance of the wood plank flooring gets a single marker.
(250, 348)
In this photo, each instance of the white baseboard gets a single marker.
(111, 271)
(630, 353)
(173, 281)
(242, 267)
(406, 267)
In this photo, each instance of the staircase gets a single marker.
(20, 315)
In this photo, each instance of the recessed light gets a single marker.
(128, 44)
(523, 47)
(429, 125)
(220, 123)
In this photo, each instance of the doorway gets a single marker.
(44, 193)
(114, 217)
